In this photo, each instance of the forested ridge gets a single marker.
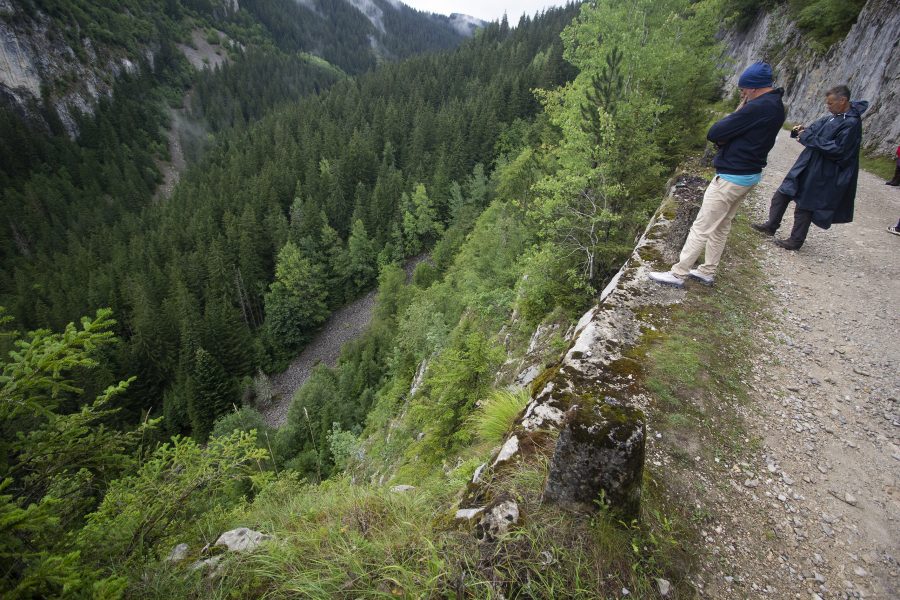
(524, 162)
(194, 272)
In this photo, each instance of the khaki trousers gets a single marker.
(711, 227)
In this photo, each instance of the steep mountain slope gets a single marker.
(66, 55)
(867, 59)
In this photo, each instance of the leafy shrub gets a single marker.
(826, 21)
(179, 482)
(263, 390)
(549, 283)
(343, 445)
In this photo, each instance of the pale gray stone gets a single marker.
(399, 489)
(178, 553)
(242, 539)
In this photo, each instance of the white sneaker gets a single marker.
(666, 278)
(707, 279)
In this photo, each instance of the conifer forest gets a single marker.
(140, 330)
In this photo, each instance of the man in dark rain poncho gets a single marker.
(822, 182)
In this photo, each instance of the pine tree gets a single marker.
(361, 257)
(337, 265)
(212, 395)
(296, 301)
(420, 225)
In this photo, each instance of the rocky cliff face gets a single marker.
(36, 63)
(867, 60)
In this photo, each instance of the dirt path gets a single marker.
(824, 488)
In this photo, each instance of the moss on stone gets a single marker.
(541, 381)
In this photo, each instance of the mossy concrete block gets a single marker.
(599, 454)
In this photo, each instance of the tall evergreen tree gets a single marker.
(212, 394)
(361, 257)
(296, 301)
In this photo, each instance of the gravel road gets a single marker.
(821, 501)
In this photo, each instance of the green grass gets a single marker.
(340, 540)
(882, 166)
(496, 416)
(698, 362)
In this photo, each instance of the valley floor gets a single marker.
(814, 509)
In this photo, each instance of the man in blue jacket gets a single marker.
(744, 139)
(822, 182)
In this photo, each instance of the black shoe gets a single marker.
(893, 182)
(763, 228)
(788, 244)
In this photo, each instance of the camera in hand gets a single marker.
(794, 133)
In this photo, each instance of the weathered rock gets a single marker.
(210, 564)
(242, 539)
(476, 477)
(664, 587)
(497, 520)
(178, 553)
(399, 489)
(510, 447)
(872, 74)
(467, 514)
(600, 453)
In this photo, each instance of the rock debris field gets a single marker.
(815, 513)
(345, 324)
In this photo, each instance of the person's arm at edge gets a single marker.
(733, 125)
(839, 149)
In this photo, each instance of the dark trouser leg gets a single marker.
(802, 221)
(896, 179)
(777, 208)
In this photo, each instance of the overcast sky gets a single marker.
(489, 10)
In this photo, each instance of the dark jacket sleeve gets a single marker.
(839, 148)
(733, 125)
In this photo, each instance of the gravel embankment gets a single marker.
(343, 325)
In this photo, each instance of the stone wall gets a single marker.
(867, 60)
(591, 406)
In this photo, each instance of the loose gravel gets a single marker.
(815, 512)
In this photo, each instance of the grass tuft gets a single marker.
(498, 413)
(882, 166)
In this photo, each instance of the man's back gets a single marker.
(746, 136)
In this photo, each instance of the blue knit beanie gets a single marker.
(757, 75)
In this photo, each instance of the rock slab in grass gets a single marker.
(497, 520)
(242, 539)
(599, 454)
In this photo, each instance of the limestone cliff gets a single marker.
(867, 60)
(37, 63)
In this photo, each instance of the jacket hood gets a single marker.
(858, 107)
